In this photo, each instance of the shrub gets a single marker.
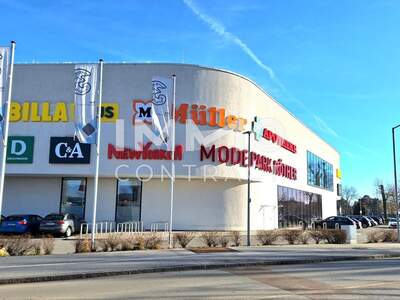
(236, 238)
(183, 238)
(152, 241)
(317, 235)
(20, 245)
(335, 236)
(209, 238)
(48, 245)
(266, 237)
(223, 239)
(389, 235)
(128, 243)
(112, 242)
(83, 246)
(304, 237)
(139, 242)
(375, 236)
(36, 247)
(291, 235)
(3, 252)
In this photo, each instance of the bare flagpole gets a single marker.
(96, 176)
(172, 160)
(6, 125)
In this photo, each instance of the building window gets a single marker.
(319, 172)
(73, 196)
(296, 207)
(129, 201)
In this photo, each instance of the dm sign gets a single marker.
(67, 150)
(20, 149)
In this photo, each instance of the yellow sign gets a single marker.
(55, 112)
(338, 174)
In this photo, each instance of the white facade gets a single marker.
(217, 202)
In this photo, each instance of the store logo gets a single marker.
(67, 150)
(20, 149)
(55, 112)
(142, 112)
(159, 90)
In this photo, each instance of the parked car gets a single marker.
(377, 219)
(357, 222)
(65, 224)
(19, 224)
(364, 221)
(372, 221)
(332, 221)
(392, 222)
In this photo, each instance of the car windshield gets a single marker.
(54, 217)
(14, 218)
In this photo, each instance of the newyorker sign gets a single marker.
(146, 153)
(67, 150)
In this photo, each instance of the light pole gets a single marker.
(249, 163)
(395, 182)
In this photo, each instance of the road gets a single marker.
(99, 263)
(371, 279)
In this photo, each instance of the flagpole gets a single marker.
(96, 176)
(6, 125)
(172, 160)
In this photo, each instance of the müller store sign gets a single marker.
(235, 156)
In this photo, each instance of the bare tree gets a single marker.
(349, 194)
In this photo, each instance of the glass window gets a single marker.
(73, 196)
(128, 201)
(295, 206)
(319, 172)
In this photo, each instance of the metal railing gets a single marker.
(160, 226)
(111, 227)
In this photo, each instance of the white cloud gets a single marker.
(221, 31)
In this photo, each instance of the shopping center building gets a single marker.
(295, 175)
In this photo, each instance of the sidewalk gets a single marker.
(67, 266)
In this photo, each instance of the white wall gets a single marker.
(30, 195)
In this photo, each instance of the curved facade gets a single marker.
(295, 174)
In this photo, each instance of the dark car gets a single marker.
(364, 221)
(20, 224)
(292, 221)
(64, 224)
(379, 220)
(332, 221)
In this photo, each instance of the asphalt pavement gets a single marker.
(63, 267)
(369, 279)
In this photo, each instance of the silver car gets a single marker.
(64, 224)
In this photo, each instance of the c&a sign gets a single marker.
(20, 149)
(67, 150)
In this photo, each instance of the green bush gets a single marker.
(267, 237)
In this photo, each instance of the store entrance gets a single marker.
(129, 201)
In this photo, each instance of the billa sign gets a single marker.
(67, 150)
(20, 149)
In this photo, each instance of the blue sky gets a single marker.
(334, 64)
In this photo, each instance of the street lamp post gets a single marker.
(395, 181)
(248, 186)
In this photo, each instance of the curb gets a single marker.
(176, 268)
